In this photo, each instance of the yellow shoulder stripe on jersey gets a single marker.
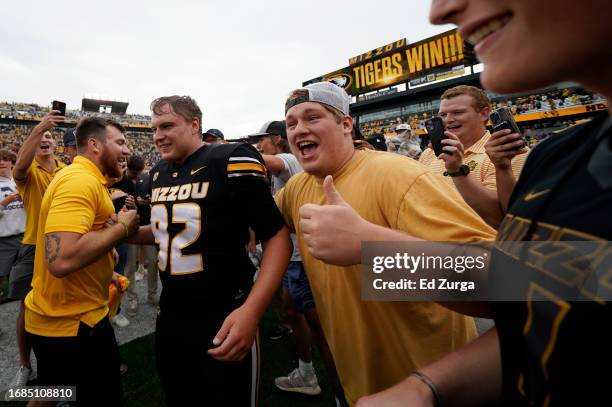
(246, 167)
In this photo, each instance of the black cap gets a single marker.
(215, 133)
(70, 137)
(377, 141)
(272, 128)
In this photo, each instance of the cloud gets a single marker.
(238, 59)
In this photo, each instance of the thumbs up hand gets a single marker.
(331, 194)
(332, 232)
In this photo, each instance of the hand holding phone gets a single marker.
(502, 120)
(59, 106)
(435, 129)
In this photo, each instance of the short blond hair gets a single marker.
(480, 98)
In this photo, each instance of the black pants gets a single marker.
(89, 361)
(190, 377)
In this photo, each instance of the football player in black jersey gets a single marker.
(203, 200)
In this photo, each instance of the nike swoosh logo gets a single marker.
(533, 195)
(197, 169)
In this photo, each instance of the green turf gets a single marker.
(141, 385)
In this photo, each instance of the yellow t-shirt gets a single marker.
(32, 189)
(482, 169)
(377, 344)
(77, 200)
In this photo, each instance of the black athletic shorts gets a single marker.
(189, 376)
(89, 361)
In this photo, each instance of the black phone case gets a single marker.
(502, 119)
(435, 129)
(61, 106)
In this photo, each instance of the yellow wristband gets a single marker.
(125, 227)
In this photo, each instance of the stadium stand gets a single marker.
(539, 107)
(18, 119)
(539, 115)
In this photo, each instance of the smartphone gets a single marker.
(435, 129)
(61, 106)
(502, 119)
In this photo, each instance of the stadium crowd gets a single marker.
(32, 111)
(549, 101)
(12, 135)
(304, 197)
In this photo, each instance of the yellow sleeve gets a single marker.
(517, 164)
(73, 206)
(488, 178)
(21, 184)
(426, 157)
(285, 208)
(433, 210)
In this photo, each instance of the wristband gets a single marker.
(125, 227)
(431, 385)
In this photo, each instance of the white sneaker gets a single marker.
(296, 383)
(121, 321)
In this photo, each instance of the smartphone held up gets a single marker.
(502, 119)
(59, 106)
(435, 130)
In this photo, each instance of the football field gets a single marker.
(141, 385)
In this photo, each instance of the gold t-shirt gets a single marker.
(77, 200)
(377, 344)
(32, 189)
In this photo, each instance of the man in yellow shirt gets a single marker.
(470, 160)
(67, 309)
(33, 171)
(374, 344)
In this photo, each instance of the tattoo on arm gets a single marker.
(52, 247)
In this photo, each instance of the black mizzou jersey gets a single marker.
(200, 214)
(553, 350)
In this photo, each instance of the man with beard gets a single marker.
(67, 309)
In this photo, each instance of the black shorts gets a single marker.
(90, 361)
(189, 376)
